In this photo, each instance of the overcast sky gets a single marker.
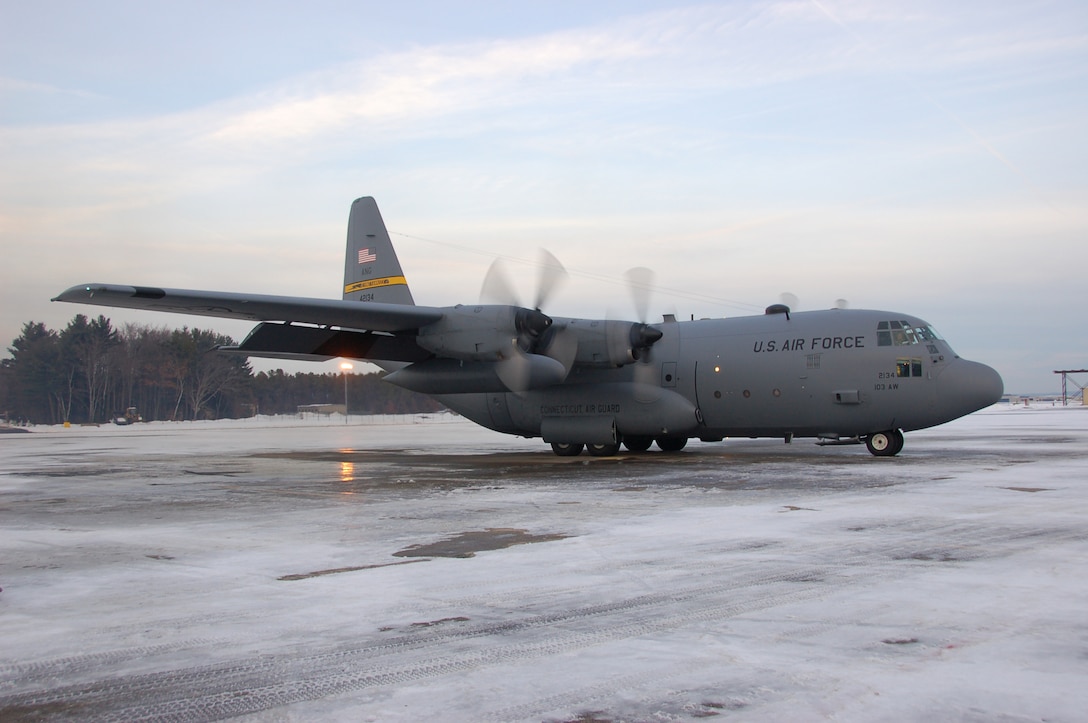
(922, 157)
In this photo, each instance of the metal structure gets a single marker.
(1065, 378)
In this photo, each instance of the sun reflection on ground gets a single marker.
(347, 474)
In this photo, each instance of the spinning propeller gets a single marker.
(541, 343)
(794, 303)
(537, 337)
(640, 282)
(642, 336)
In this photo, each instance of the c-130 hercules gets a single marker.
(841, 376)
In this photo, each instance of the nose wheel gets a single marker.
(885, 444)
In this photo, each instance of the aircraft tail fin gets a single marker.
(372, 271)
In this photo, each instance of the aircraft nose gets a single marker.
(972, 385)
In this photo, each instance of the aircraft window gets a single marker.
(905, 367)
(901, 333)
(926, 333)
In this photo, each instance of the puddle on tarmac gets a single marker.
(467, 544)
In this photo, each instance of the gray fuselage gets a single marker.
(831, 374)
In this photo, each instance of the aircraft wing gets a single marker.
(369, 316)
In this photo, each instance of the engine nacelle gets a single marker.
(609, 343)
(482, 333)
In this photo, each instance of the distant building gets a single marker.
(325, 409)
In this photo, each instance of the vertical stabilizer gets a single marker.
(371, 269)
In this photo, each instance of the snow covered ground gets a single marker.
(296, 570)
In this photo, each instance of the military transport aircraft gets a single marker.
(842, 376)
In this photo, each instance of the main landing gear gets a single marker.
(879, 444)
(885, 444)
(567, 449)
(633, 444)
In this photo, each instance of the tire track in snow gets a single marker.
(256, 684)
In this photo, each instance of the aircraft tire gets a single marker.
(567, 449)
(637, 444)
(603, 450)
(671, 444)
(885, 444)
(897, 437)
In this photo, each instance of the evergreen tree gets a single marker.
(37, 392)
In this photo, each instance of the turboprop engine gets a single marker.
(485, 348)
(608, 343)
(483, 333)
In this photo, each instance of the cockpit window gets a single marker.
(926, 333)
(902, 333)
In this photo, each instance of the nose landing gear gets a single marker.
(885, 444)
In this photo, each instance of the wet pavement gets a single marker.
(439, 571)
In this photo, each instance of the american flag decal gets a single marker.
(366, 256)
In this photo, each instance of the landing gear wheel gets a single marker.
(567, 449)
(603, 450)
(671, 444)
(885, 444)
(638, 444)
(897, 438)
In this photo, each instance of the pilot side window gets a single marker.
(908, 367)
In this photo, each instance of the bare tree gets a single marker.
(201, 374)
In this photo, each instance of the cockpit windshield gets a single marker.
(902, 333)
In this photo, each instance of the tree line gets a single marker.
(92, 372)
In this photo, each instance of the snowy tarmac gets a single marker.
(298, 570)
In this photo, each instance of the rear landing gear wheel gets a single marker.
(567, 449)
(671, 444)
(885, 444)
(638, 444)
(603, 450)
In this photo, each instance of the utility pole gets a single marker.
(345, 367)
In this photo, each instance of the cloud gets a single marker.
(425, 82)
(448, 90)
(12, 87)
